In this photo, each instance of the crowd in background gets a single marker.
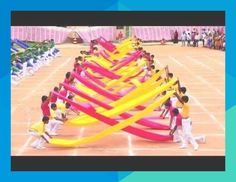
(210, 38)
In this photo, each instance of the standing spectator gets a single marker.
(223, 42)
(176, 36)
(194, 31)
(189, 39)
(188, 32)
(183, 38)
(203, 37)
(197, 38)
(120, 36)
(209, 31)
(193, 37)
(210, 41)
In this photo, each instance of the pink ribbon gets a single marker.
(144, 122)
(105, 44)
(95, 87)
(112, 122)
(101, 70)
(133, 57)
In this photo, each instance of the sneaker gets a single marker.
(33, 145)
(40, 147)
(176, 140)
(53, 134)
(196, 147)
(204, 139)
(183, 147)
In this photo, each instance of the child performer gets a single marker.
(176, 126)
(58, 118)
(38, 130)
(45, 105)
(187, 126)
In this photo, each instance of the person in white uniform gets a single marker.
(57, 119)
(187, 126)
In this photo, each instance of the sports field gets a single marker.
(201, 70)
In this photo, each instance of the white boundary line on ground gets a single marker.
(217, 62)
(76, 149)
(131, 153)
(22, 149)
(26, 144)
(200, 63)
(206, 110)
(47, 78)
(42, 82)
(210, 134)
(29, 138)
(157, 148)
(198, 77)
(194, 98)
(210, 85)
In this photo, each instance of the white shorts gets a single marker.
(173, 124)
(174, 101)
(59, 101)
(187, 125)
(180, 110)
(53, 122)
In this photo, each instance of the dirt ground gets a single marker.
(201, 70)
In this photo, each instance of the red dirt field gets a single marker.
(201, 70)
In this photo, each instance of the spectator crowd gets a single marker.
(210, 38)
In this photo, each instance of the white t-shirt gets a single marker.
(188, 36)
(183, 36)
(197, 37)
(56, 114)
(188, 32)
